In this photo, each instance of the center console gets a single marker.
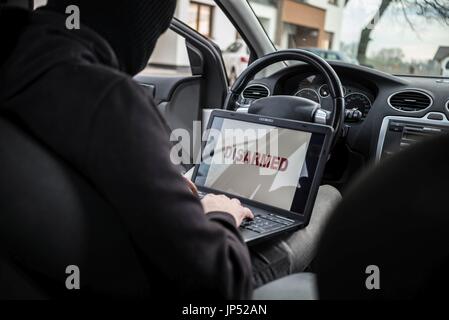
(398, 133)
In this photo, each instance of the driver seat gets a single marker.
(51, 218)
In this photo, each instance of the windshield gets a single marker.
(409, 37)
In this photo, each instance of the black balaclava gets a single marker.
(131, 27)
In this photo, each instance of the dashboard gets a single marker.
(313, 86)
(376, 105)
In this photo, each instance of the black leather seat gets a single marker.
(396, 217)
(50, 218)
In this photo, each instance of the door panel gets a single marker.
(178, 100)
(164, 87)
(182, 96)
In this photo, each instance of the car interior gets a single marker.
(388, 160)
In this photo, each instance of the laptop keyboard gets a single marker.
(263, 222)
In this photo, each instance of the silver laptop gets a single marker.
(273, 166)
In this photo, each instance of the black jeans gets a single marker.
(271, 261)
(293, 253)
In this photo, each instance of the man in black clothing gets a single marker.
(73, 90)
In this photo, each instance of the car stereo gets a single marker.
(398, 133)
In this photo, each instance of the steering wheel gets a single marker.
(293, 107)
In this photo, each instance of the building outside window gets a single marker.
(330, 40)
(302, 37)
(201, 18)
(301, 23)
(201, 15)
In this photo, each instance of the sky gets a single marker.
(393, 31)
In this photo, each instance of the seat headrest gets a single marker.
(12, 22)
(24, 4)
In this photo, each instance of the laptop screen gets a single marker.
(271, 165)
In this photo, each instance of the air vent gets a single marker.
(255, 92)
(410, 101)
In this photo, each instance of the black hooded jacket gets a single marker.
(66, 88)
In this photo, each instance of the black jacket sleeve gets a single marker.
(128, 159)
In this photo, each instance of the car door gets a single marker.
(185, 94)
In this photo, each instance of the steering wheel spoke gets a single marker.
(294, 108)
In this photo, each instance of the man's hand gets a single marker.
(214, 203)
(191, 186)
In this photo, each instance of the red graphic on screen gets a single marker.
(241, 156)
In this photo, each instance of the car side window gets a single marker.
(170, 57)
(204, 16)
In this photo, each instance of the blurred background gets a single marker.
(396, 36)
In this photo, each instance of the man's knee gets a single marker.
(303, 243)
